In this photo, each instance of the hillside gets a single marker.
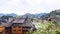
(35, 15)
(12, 14)
(54, 16)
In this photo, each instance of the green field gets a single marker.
(45, 28)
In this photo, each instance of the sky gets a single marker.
(21, 7)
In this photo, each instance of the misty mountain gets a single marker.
(27, 14)
(1, 14)
(35, 15)
(12, 14)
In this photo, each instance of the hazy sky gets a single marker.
(28, 6)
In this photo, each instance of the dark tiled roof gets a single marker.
(28, 23)
(21, 20)
(25, 22)
(57, 10)
(3, 21)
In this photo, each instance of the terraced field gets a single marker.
(46, 28)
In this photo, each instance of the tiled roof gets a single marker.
(5, 23)
(24, 22)
(28, 23)
(21, 20)
(58, 10)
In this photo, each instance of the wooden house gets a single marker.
(21, 25)
(2, 30)
(6, 26)
(15, 26)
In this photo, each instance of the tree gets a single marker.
(6, 17)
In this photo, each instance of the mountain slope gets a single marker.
(12, 14)
(35, 15)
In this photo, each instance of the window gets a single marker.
(19, 30)
(19, 26)
(14, 30)
(14, 25)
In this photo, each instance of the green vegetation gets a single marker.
(6, 17)
(45, 28)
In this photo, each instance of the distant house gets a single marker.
(57, 10)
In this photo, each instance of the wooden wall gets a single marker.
(2, 29)
(16, 30)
